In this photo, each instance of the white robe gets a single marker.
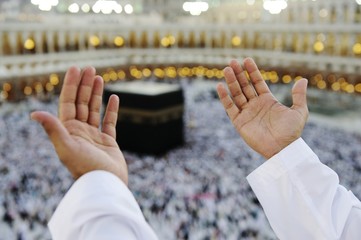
(301, 197)
(99, 206)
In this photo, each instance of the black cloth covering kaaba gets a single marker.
(150, 116)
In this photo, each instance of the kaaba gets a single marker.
(150, 118)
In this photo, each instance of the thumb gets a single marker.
(299, 98)
(57, 133)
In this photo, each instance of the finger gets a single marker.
(246, 87)
(256, 77)
(96, 102)
(111, 116)
(227, 102)
(57, 133)
(67, 109)
(234, 87)
(84, 94)
(299, 97)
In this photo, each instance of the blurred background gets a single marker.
(196, 189)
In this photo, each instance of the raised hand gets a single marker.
(80, 144)
(265, 124)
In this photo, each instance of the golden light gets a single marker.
(159, 73)
(200, 71)
(39, 88)
(134, 72)
(121, 74)
(4, 94)
(357, 48)
(54, 79)
(220, 74)
(321, 84)
(29, 44)
(318, 46)
(336, 86)
(7, 87)
(171, 40)
(171, 72)
(298, 78)
(350, 88)
(28, 90)
(94, 40)
(358, 87)
(113, 75)
(118, 41)
(209, 73)
(49, 87)
(236, 41)
(106, 77)
(286, 79)
(165, 42)
(273, 77)
(146, 72)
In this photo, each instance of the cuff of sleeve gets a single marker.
(89, 191)
(279, 164)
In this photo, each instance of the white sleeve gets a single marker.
(99, 206)
(302, 197)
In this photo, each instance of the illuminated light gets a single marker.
(357, 48)
(298, 78)
(49, 87)
(195, 8)
(39, 88)
(274, 6)
(128, 9)
(4, 94)
(133, 71)
(220, 74)
(107, 7)
(318, 46)
(323, 13)
(113, 75)
(171, 72)
(286, 79)
(29, 44)
(44, 6)
(121, 74)
(73, 8)
(94, 41)
(350, 88)
(321, 84)
(209, 74)
(159, 73)
(165, 42)
(171, 40)
(336, 86)
(106, 77)
(344, 86)
(199, 71)
(236, 41)
(147, 72)
(358, 2)
(54, 79)
(118, 41)
(28, 90)
(7, 87)
(358, 87)
(85, 8)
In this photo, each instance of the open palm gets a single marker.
(264, 123)
(80, 144)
